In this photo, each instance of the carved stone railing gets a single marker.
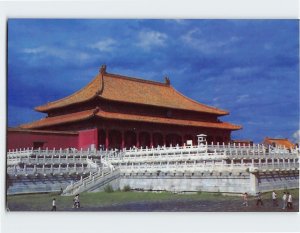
(101, 177)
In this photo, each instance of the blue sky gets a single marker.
(249, 67)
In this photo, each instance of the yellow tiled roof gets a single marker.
(132, 90)
(279, 142)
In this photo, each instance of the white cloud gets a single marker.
(44, 51)
(194, 39)
(34, 50)
(296, 136)
(104, 45)
(243, 70)
(242, 98)
(65, 54)
(148, 39)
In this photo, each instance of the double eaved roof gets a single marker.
(124, 89)
(131, 90)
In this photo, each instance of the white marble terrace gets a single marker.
(98, 165)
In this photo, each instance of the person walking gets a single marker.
(53, 205)
(289, 201)
(284, 200)
(258, 199)
(76, 202)
(274, 199)
(245, 199)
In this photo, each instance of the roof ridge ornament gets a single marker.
(167, 81)
(103, 69)
(97, 109)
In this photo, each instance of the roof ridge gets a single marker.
(41, 131)
(225, 112)
(38, 108)
(89, 112)
(105, 114)
(137, 79)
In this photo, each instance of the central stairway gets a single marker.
(105, 174)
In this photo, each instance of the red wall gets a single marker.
(23, 139)
(87, 138)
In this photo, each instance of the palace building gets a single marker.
(116, 111)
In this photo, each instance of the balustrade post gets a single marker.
(232, 163)
(273, 165)
(222, 164)
(59, 168)
(289, 164)
(25, 170)
(43, 169)
(252, 162)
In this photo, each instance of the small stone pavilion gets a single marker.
(123, 112)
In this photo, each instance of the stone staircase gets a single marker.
(105, 174)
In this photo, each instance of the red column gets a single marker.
(214, 139)
(123, 139)
(106, 139)
(151, 139)
(137, 139)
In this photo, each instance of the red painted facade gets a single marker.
(19, 139)
(87, 138)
